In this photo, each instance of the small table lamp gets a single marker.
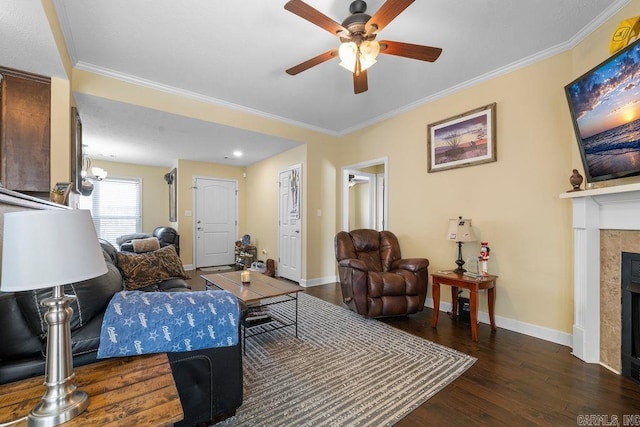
(460, 231)
(49, 249)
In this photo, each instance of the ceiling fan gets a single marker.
(359, 49)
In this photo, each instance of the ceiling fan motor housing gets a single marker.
(356, 22)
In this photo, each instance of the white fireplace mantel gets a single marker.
(609, 208)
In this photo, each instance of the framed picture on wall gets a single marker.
(463, 140)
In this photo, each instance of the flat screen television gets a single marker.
(605, 109)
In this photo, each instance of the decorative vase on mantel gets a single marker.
(576, 180)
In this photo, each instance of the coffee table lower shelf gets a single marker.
(276, 320)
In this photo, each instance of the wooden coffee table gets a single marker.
(263, 291)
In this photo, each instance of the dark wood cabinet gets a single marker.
(25, 111)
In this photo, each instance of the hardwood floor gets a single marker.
(517, 380)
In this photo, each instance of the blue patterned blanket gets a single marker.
(139, 322)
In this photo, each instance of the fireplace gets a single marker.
(630, 295)
(594, 210)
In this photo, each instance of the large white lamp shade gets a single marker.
(47, 248)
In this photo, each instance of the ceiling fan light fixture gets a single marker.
(367, 53)
(369, 49)
(347, 53)
(98, 173)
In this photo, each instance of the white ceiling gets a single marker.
(234, 53)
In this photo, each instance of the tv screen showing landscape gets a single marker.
(605, 108)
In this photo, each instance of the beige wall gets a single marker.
(513, 202)
(262, 197)
(319, 204)
(155, 190)
(323, 176)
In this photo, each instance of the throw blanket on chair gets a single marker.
(138, 322)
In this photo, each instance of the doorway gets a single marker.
(215, 222)
(365, 195)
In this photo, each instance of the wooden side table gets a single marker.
(458, 280)
(128, 391)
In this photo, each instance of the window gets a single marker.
(115, 206)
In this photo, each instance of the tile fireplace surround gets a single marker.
(609, 208)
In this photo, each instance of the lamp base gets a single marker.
(459, 261)
(460, 270)
(50, 413)
(61, 401)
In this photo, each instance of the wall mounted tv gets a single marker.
(605, 109)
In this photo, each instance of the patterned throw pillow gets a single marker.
(140, 270)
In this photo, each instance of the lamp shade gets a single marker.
(460, 230)
(47, 248)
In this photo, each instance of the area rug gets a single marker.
(218, 268)
(342, 370)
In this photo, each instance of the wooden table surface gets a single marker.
(261, 286)
(127, 391)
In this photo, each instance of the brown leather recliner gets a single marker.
(375, 280)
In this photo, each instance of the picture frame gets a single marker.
(464, 140)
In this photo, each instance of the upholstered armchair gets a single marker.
(376, 281)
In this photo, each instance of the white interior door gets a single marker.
(216, 221)
(290, 224)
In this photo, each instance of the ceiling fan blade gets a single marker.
(360, 82)
(387, 12)
(408, 50)
(312, 62)
(316, 17)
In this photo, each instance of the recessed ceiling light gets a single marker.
(237, 153)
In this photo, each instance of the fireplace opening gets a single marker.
(631, 315)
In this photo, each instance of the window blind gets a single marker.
(116, 207)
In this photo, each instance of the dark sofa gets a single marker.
(165, 235)
(209, 381)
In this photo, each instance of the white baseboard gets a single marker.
(529, 329)
(188, 267)
(319, 281)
